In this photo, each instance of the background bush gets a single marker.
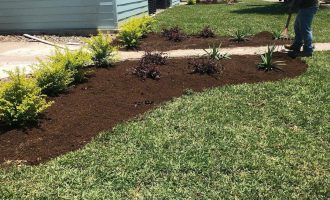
(73, 61)
(102, 50)
(52, 77)
(130, 38)
(62, 68)
(21, 100)
(191, 2)
(134, 29)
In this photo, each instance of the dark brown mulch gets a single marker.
(155, 41)
(114, 95)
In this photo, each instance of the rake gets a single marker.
(285, 33)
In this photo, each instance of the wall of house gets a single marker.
(130, 8)
(56, 15)
(24, 16)
(175, 2)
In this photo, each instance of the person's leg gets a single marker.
(306, 28)
(298, 40)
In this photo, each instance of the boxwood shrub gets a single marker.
(102, 51)
(73, 61)
(21, 100)
(52, 77)
(134, 29)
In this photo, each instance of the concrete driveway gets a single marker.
(22, 55)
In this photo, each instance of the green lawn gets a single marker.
(256, 15)
(254, 141)
(258, 141)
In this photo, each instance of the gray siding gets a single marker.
(129, 8)
(43, 15)
(63, 15)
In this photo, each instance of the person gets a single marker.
(303, 27)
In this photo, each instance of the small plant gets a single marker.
(240, 36)
(205, 66)
(147, 71)
(174, 34)
(277, 35)
(52, 77)
(207, 32)
(73, 61)
(147, 65)
(267, 63)
(103, 52)
(21, 100)
(215, 53)
(188, 92)
(191, 2)
(150, 58)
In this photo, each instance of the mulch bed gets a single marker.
(114, 95)
(155, 42)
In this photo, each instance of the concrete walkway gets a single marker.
(23, 55)
(231, 51)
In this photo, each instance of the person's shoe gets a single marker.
(305, 54)
(295, 54)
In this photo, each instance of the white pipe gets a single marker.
(43, 41)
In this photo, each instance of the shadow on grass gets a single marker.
(270, 9)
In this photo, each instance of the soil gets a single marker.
(155, 42)
(115, 95)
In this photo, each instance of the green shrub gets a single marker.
(52, 77)
(191, 2)
(267, 63)
(277, 34)
(73, 61)
(134, 29)
(21, 100)
(144, 25)
(102, 50)
(215, 53)
(130, 38)
(241, 35)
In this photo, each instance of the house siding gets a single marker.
(129, 8)
(58, 16)
(43, 15)
(175, 2)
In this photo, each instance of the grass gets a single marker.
(254, 15)
(253, 141)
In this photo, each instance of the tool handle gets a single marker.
(288, 21)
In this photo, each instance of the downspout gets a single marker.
(115, 15)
